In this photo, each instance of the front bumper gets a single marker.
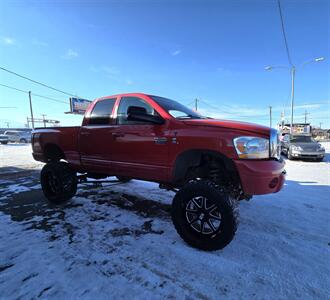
(305, 154)
(261, 176)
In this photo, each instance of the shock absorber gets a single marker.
(215, 171)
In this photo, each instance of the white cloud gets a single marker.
(39, 43)
(111, 70)
(176, 52)
(70, 54)
(8, 40)
(307, 106)
(94, 69)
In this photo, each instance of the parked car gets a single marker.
(16, 136)
(210, 164)
(302, 146)
(4, 139)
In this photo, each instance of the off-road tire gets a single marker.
(227, 207)
(123, 179)
(58, 182)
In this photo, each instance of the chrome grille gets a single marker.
(274, 144)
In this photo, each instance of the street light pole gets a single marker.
(293, 72)
(32, 120)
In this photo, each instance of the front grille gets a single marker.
(274, 144)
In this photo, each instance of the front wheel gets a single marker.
(58, 182)
(204, 215)
(24, 141)
(4, 143)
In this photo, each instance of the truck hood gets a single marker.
(242, 126)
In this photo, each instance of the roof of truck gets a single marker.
(121, 95)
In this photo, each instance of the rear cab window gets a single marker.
(102, 112)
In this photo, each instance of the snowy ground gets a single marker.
(119, 242)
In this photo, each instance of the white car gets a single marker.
(16, 136)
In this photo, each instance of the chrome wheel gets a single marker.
(203, 215)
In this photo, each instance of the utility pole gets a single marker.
(306, 113)
(32, 120)
(196, 104)
(28, 122)
(270, 116)
(43, 117)
(320, 125)
(7, 124)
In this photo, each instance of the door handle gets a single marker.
(117, 134)
(84, 133)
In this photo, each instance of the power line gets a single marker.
(13, 88)
(284, 34)
(37, 82)
(49, 98)
(37, 95)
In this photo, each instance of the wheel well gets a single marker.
(205, 164)
(53, 153)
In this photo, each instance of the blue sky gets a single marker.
(213, 50)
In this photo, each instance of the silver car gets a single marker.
(16, 136)
(302, 146)
(4, 139)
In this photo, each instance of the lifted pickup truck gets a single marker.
(210, 164)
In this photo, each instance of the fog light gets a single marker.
(273, 183)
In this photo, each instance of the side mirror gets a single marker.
(138, 113)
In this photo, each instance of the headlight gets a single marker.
(320, 148)
(250, 147)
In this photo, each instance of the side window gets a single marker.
(125, 103)
(101, 112)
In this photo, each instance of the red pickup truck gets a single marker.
(210, 164)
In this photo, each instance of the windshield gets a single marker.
(302, 139)
(175, 109)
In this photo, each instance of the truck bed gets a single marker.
(48, 141)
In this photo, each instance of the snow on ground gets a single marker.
(118, 241)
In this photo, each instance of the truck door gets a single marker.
(96, 137)
(140, 149)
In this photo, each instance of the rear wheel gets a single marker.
(58, 182)
(4, 143)
(123, 179)
(204, 215)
